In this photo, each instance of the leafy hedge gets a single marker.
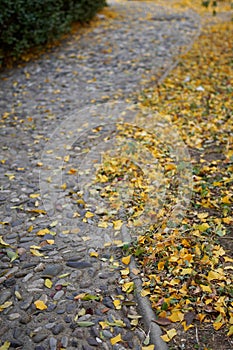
(28, 23)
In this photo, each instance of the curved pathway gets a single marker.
(112, 61)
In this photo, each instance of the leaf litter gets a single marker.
(187, 270)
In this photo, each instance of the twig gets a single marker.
(197, 338)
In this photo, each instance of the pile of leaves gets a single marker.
(186, 270)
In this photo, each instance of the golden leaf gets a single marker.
(117, 224)
(226, 200)
(206, 288)
(218, 325)
(5, 305)
(48, 283)
(176, 316)
(126, 259)
(63, 186)
(128, 287)
(161, 265)
(43, 232)
(34, 195)
(202, 216)
(5, 346)
(171, 333)
(230, 332)
(102, 224)
(89, 215)
(116, 339)
(40, 305)
(36, 252)
(2, 242)
(117, 304)
(145, 292)
(94, 254)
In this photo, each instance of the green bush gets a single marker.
(28, 23)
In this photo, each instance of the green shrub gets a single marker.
(28, 23)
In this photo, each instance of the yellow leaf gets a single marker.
(117, 304)
(117, 224)
(218, 325)
(201, 317)
(145, 292)
(34, 195)
(176, 316)
(66, 158)
(30, 228)
(5, 346)
(102, 224)
(134, 322)
(161, 265)
(227, 259)
(126, 259)
(5, 305)
(116, 339)
(202, 215)
(226, 199)
(40, 305)
(128, 287)
(63, 186)
(230, 333)
(206, 288)
(215, 275)
(48, 283)
(125, 272)
(72, 171)
(35, 252)
(186, 328)
(165, 338)
(227, 220)
(2, 242)
(186, 271)
(94, 254)
(89, 215)
(103, 324)
(171, 333)
(50, 241)
(43, 232)
(170, 167)
(80, 296)
(149, 347)
(203, 227)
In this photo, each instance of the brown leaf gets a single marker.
(162, 321)
(189, 317)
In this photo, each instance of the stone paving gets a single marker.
(40, 261)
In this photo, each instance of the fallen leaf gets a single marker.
(48, 283)
(40, 305)
(116, 339)
(126, 259)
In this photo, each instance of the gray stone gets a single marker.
(52, 270)
(39, 337)
(24, 305)
(64, 341)
(52, 343)
(13, 316)
(4, 296)
(58, 328)
(59, 295)
(107, 334)
(79, 264)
